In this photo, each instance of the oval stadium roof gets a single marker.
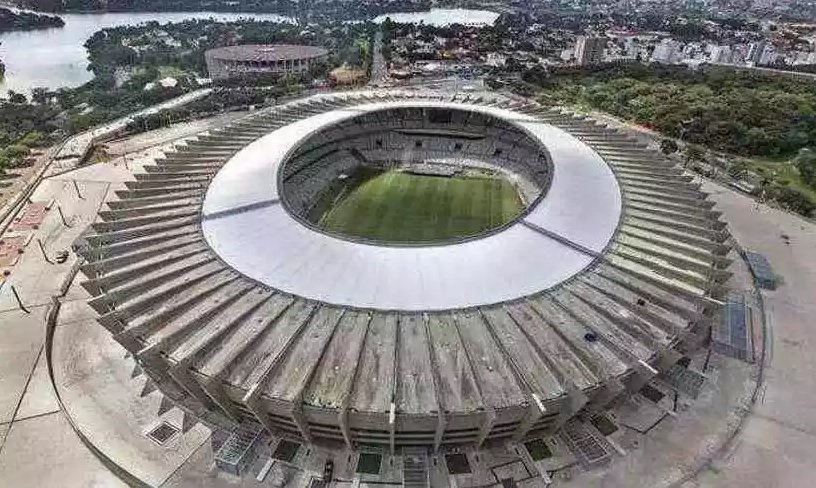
(245, 223)
(272, 52)
(237, 310)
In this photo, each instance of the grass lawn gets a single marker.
(175, 72)
(782, 172)
(401, 207)
(538, 449)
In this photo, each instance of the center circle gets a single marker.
(414, 176)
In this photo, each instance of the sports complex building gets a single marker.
(407, 272)
(229, 61)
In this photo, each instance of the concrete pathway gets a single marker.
(776, 445)
(38, 447)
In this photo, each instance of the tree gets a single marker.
(737, 170)
(668, 146)
(388, 28)
(795, 200)
(15, 97)
(319, 69)
(693, 153)
(805, 162)
(512, 65)
(16, 150)
(11, 156)
(39, 95)
(34, 138)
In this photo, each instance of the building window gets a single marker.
(378, 143)
(418, 144)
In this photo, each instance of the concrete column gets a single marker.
(643, 372)
(344, 427)
(535, 411)
(215, 390)
(487, 426)
(392, 417)
(300, 421)
(575, 402)
(440, 431)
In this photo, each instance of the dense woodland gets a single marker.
(220, 100)
(736, 111)
(302, 9)
(763, 117)
(46, 117)
(24, 126)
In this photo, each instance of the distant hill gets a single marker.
(41, 5)
(11, 20)
(302, 9)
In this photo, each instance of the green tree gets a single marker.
(693, 153)
(33, 139)
(39, 95)
(795, 200)
(15, 97)
(388, 29)
(16, 150)
(318, 69)
(668, 146)
(11, 156)
(805, 162)
(738, 169)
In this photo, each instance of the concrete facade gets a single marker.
(590, 50)
(227, 62)
(230, 350)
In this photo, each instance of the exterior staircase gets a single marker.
(415, 468)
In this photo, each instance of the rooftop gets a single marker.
(246, 224)
(259, 52)
(603, 272)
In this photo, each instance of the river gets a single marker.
(56, 58)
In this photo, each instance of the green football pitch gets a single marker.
(402, 207)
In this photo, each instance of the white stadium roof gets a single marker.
(247, 225)
(239, 309)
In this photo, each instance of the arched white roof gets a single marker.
(247, 225)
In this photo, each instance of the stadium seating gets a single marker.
(415, 137)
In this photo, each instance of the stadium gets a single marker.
(409, 272)
(230, 61)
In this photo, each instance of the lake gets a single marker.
(56, 58)
(441, 17)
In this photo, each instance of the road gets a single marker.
(775, 445)
(78, 145)
(379, 68)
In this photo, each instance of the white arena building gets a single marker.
(276, 59)
(250, 317)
